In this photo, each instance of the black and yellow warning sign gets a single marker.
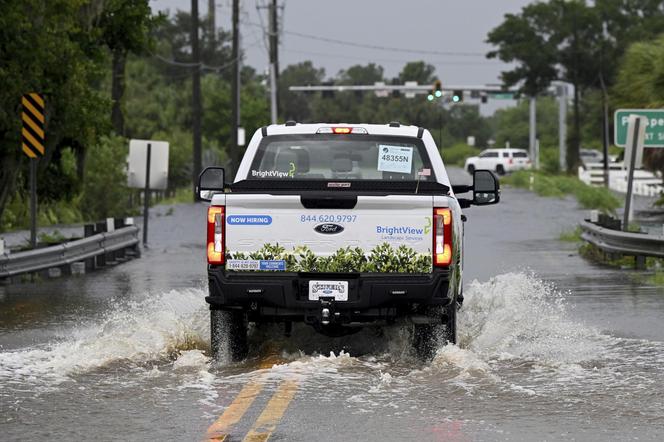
(32, 134)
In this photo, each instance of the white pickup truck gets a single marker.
(338, 226)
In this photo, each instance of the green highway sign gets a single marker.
(654, 127)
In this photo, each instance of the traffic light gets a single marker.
(438, 89)
(457, 96)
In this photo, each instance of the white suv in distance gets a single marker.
(500, 160)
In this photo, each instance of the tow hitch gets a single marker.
(327, 308)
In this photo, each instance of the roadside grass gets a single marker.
(180, 196)
(456, 155)
(594, 254)
(571, 235)
(656, 278)
(16, 215)
(549, 185)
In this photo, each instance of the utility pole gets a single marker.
(274, 62)
(196, 95)
(212, 26)
(235, 88)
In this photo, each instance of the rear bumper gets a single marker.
(285, 296)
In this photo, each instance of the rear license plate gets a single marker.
(328, 289)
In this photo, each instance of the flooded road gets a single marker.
(550, 347)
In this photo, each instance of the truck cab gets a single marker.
(338, 226)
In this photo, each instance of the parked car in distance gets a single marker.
(500, 160)
(590, 156)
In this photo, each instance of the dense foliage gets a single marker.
(111, 70)
(576, 41)
(381, 259)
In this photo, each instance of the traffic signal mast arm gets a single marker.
(413, 88)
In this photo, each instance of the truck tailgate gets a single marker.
(379, 234)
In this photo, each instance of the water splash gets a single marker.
(136, 333)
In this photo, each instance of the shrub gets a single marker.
(544, 184)
(105, 191)
(456, 155)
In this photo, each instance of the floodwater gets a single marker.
(550, 347)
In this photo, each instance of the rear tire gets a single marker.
(500, 169)
(470, 169)
(228, 335)
(427, 338)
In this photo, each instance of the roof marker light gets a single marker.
(342, 130)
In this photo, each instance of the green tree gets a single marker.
(418, 71)
(548, 41)
(296, 105)
(464, 121)
(57, 55)
(640, 84)
(127, 27)
(574, 41)
(511, 124)
(105, 192)
(359, 74)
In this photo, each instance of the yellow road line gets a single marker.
(218, 431)
(273, 412)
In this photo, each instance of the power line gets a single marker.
(375, 47)
(393, 60)
(204, 66)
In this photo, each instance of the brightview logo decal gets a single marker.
(427, 225)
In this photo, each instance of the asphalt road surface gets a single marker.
(551, 347)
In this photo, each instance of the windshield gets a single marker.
(347, 157)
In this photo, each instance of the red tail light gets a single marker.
(216, 235)
(442, 237)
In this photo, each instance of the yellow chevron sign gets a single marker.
(32, 134)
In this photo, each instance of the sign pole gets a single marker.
(562, 127)
(146, 197)
(33, 202)
(630, 179)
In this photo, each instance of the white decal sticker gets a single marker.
(395, 158)
(256, 264)
(243, 264)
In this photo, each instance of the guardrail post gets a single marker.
(77, 268)
(640, 262)
(110, 227)
(88, 230)
(594, 216)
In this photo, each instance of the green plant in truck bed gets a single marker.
(382, 259)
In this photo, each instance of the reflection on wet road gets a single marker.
(550, 347)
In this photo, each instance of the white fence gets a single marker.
(645, 183)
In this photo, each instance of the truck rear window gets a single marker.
(341, 157)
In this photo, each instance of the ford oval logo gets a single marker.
(329, 228)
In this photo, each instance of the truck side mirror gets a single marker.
(210, 181)
(486, 188)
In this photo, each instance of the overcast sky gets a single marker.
(458, 26)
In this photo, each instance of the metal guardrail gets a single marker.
(61, 255)
(625, 243)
